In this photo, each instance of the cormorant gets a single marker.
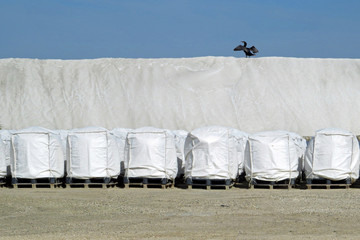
(248, 51)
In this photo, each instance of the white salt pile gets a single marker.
(298, 95)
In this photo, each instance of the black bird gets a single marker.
(248, 51)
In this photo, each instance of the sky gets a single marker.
(87, 29)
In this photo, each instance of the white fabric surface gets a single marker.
(3, 165)
(36, 153)
(296, 94)
(273, 156)
(63, 137)
(6, 140)
(151, 153)
(93, 153)
(214, 152)
(180, 137)
(120, 137)
(332, 154)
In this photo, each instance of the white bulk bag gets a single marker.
(5, 139)
(151, 153)
(92, 153)
(3, 165)
(241, 141)
(180, 137)
(332, 154)
(63, 137)
(36, 153)
(273, 155)
(214, 153)
(120, 137)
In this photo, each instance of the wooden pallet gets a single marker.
(148, 182)
(36, 183)
(209, 184)
(91, 183)
(283, 184)
(327, 183)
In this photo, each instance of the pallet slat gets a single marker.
(208, 183)
(36, 183)
(327, 183)
(148, 182)
(91, 183)
(287, 184)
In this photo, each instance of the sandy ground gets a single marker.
(179, 214)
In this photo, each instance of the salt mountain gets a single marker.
(294, 94)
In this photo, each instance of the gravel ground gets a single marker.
(179, 214)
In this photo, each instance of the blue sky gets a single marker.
(79, 29)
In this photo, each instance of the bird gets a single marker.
(248, 51)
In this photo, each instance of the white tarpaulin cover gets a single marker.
(92, 153)
(120, 137)
(274, 156)
(180, 137)
(214, 153)
(151, 153)
(36, 153)
(297, 94)
(332, 154)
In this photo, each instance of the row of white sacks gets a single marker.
(208, 153)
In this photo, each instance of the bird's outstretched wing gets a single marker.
(240, 48)
(254, 49)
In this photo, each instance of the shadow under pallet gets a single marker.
(148, 182)
(209, 184)
(36, 183)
